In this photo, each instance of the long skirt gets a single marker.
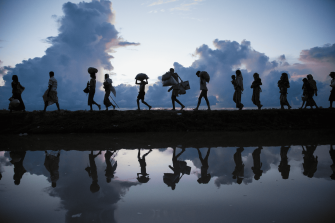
(90, 97)
(283, 99)
(237, 98)
(52, 98)
(21, 105)
(107, 102)
(255, 96)
(310, 101)
(332, 95)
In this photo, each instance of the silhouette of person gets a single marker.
(175, 91)
(108, 85)
(256, 155)
(332, 92)
(92, 172)
(141, 93)
(110, 169)
(51, 163)
(205, 177)
(143, 177)
(283, 84)
(256, 91)
(332, 156)
(309, 89)
(171, 179)
(204, 91)
(17, 90)
(310, 162)
(92, 86)
(17, 161)
(283, 167)
(239, 165)
(238, 86)
(50, 95)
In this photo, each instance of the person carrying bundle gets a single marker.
(108, 85)
(238, 86)
(283, 84)
(175, 90)
(141, 93)
(203, 88)
(92, 84)
(256, 91)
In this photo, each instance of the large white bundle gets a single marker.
(166, 76)
(141, 77)
(205, 76)
(169, 82)
(92, 70)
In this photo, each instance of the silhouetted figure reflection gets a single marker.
(143, 177)
(256, 155)
(205, 177)
(51, 163)
(239, 168)
(310, 162)
(92, 172)
(283, 167)
(110, 169)
(17, 161)
(332, 156)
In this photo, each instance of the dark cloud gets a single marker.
(324, 54)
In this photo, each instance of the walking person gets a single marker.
(50, 95)
(203, 93)
(256, 91)
(205, 177)
(143, 177)
(283, 167)
(283, 84)
(92, 172)
(238, 172)
(332, 92)
(92, 85)
(175, 91)
(110, 168)
(308, 93)
(256, 155)
(51, 163)
(17, 90)
(108, 86)
(141, 93)
(238, 86)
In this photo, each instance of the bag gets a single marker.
(185, 85)
(92, 70)
(181, 89)
(141, 77)
(169, 82)
(13, 103)
(166, 76)
(205, 76)
(87, 90)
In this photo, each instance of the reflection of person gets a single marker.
(143, 177)
(332, 92)
(283, 167)
(283, 84)
(238, 86)
(17, 161)
(141, 93)
(310, 162)
(204, 91)
(92, 172)
(332, 156)
(171, 179)
(17, 91)
(50, 95)
(92, 85)
(239, 168)
(175, 91)
(205, 177)
(256, 91)
(110, 169)
(256, 155)
(108, 85)
(51, 163)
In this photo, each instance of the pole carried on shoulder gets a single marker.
(114, 101)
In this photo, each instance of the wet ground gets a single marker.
(187, 178)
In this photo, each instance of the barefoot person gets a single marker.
(238, 86)
(108, 85)
(141, 93)
(50, 95)
(203, 93)
(92, 85)
(256, 91)
(283, 84)
(175, 91)
(17, 90)
(308, 93)
(332, 92)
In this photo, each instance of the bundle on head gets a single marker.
(92, 70)
(141, 77)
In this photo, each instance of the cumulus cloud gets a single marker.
(160, 2)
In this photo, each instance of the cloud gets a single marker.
(160, 2)
(186, 6)
(86, 38)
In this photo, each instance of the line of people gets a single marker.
(50, 96)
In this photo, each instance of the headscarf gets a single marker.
(312, 82)
(239, 81)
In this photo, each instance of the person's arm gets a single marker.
(170, 89)
(137, 82)
(146, 82)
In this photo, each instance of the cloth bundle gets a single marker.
(169, 80)
(141, 77)
(13, 103)
(205, 76)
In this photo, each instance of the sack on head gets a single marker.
(141, 76)
(205, 76)
(92, 70)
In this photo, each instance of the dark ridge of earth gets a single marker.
(37, 122)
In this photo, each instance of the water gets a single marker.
(241, 184)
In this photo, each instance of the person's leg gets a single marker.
(45, 105)
(57, 104)
(182, 106)
(182, 151)
(200, 156)
(146, 154)
(207, 155)
(96, 104)
(146, 104)
(138, 104)
(139, 154)
(199, 100)
(331, 104)
(91, 109)
(207, 102)
(173, 98)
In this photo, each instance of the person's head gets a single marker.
(257, 177)
(204, 180)
(108, 179)
(238, 72)
(198, 73)
(309, 76)
(53, 184)
(173, 186)
(239, 180)
(305, 80)
(51, 73)
(106, 76)
(284, 76)
(15, 78)
(332, 74)
(233, 77)
(94, 186)
(256, 75)
(171, 70)
(332, 176)
(17, 182)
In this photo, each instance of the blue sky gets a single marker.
(164, 32)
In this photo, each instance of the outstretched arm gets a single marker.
(170, 89)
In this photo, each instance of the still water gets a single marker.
(291, 183)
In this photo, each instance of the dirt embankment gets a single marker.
(38, 122)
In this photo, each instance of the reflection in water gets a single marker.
(310, 162)
(93, 173)
(239, 166)
(332, 155)
(256, 155)
(51, 163)
(143, 177)
(17, 161)
(110, 169)
(205, 177)
(283, 167)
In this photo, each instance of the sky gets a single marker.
(124, 38)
